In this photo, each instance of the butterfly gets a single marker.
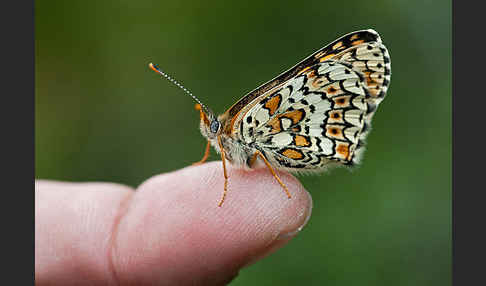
(314, 116)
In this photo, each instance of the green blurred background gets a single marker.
(102, 115)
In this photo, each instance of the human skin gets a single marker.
(167, 231)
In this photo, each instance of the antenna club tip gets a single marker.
(153, 67)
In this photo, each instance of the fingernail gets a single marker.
(305, 213)
(281, 240)
(285, 236)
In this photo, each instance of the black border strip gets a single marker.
(17, 117)
(468, 171)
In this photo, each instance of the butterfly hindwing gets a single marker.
(315, 118)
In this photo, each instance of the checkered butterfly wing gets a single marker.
(319, 112)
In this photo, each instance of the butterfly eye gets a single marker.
(214, 126)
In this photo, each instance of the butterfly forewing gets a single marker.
(332, 50)
(318, 112)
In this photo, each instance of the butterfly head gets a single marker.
(210, 125)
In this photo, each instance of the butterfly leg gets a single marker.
(253, 160)
(206, 155)
(258, 153)
(223, 158)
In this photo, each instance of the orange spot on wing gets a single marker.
(341, 101)
(334, 132)
(275, 124)
(343, 150)
(373, 90)
(292, 154)
(304, 70)
(337, 45)
(354, 37)
(373, 86)
(357, 42)
(326, 57)
(311, 74)
(336, 116)
(273, 103)
(308, 72)
(295, 115)
(368, 78)
(301, 141)
(318, 82)
(319, 54)
(331, 90)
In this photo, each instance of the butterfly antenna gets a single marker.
(156, 69)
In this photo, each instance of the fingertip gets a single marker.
(180, 220)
